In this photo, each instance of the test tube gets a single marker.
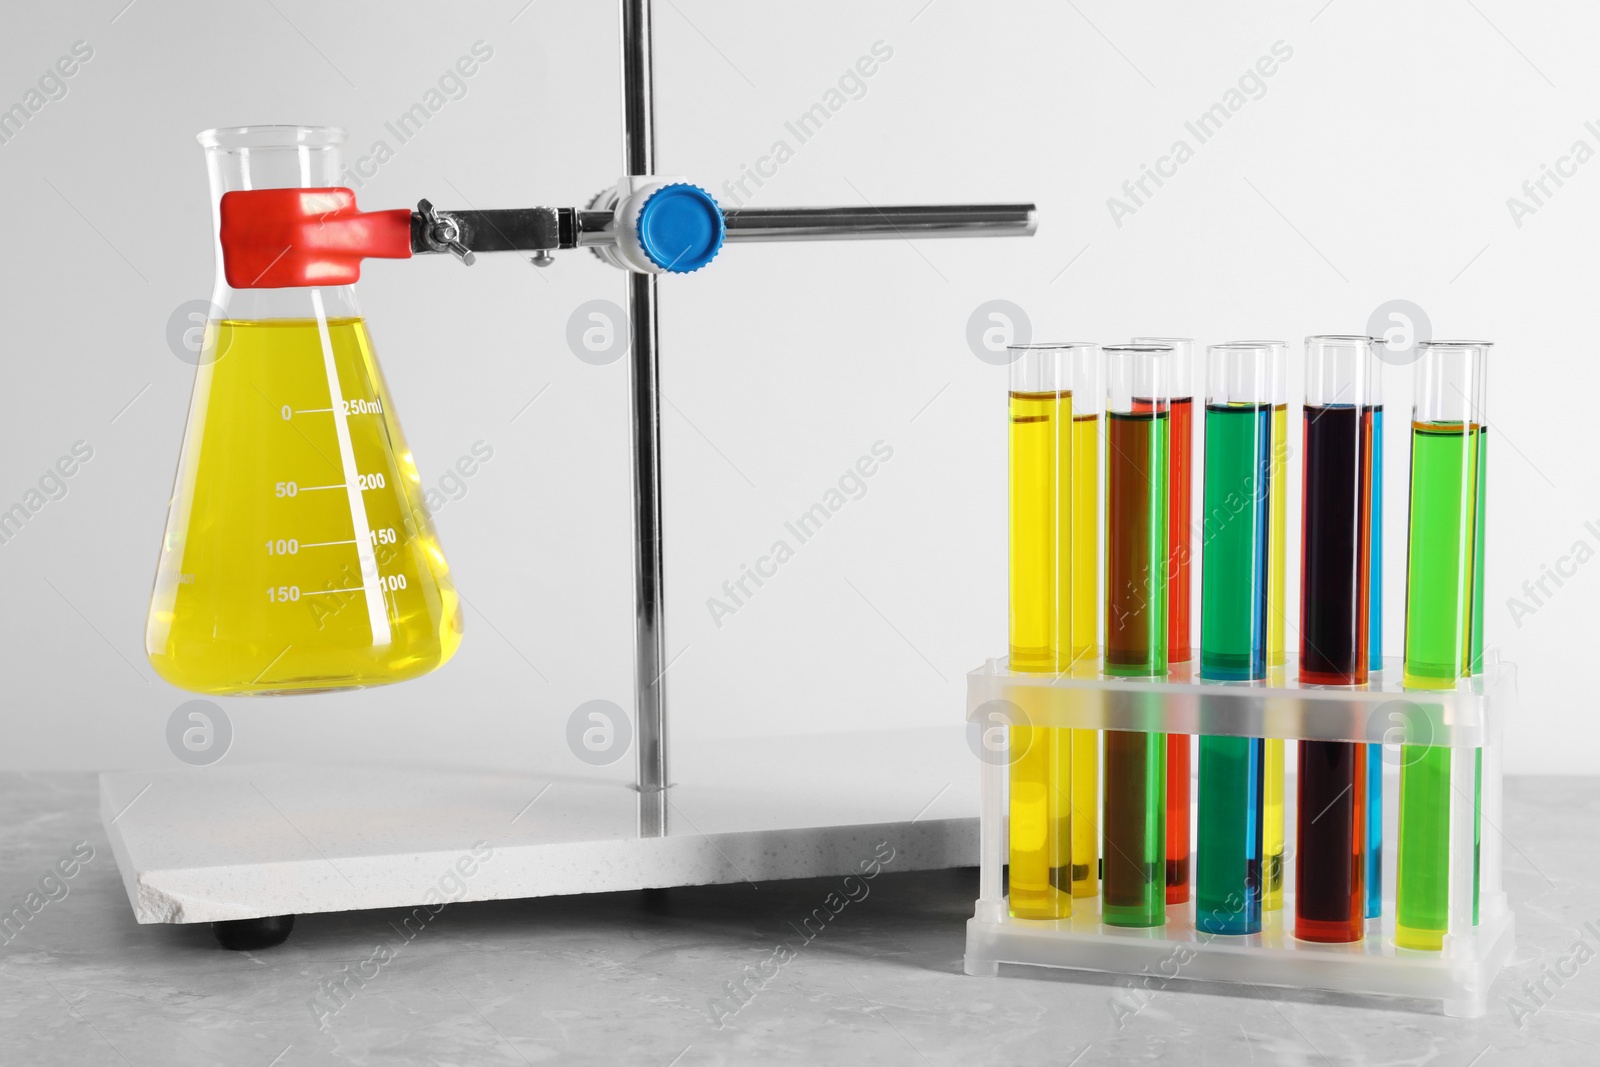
(1233, 628)
(1272, 748)
(1272, 831)
(1138, 419)
(1278, 503)
(1375, 533)
(1085, 609)
(1040, 623)
(1330, 902)
(1180, 510)
(1475, 651)
(1444, 593)
(1372, 848)
(1336, 526)
(1238, 442)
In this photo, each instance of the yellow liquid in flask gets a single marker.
(299, 555)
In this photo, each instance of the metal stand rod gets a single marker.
(860, 223)
(650, 702)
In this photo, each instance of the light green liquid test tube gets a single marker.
(1444, 614)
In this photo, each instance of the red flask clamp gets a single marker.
(278, 238)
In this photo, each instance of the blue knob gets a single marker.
(680, 228)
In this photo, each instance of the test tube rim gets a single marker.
(1047, 346)
(1184, 353)
(1455, 344)
(1267, 353)
(1280, 374)
(1130, 347)
(1331, 340)
(271, 135)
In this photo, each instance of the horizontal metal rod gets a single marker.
(858, 223)
(546, 229)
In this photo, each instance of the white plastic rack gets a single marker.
(1465, 720)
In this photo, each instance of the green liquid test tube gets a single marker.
(1135, 888)
(1137, 427)
(1476, 650)
(1233, 630)
(1444, 592)
(1181, 557)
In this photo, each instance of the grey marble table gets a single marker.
(646, 978)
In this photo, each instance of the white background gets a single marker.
(1376, 166)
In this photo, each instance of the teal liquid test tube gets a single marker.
(1444, 592)
(1374, 843)
(1236, 523)
(1375, 594)
(1138, 420)
(1374, 829)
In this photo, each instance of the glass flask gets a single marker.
(299, 555)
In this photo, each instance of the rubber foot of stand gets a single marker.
(249, 935)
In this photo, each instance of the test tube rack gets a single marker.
(1465, 720)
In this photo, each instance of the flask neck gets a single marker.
(272, 157)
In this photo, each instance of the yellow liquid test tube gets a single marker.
(1272, 753)
(1040, 414)
(1040, 824)
(1272, 812)
(1035, 450)
(1278, 523)
(1085, 555)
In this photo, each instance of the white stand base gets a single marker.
(221, 843)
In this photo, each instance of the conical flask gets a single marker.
(299, 555)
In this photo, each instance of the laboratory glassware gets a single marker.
(1335, 563)
(1138, 420)
(1087, 400)
(1180, 539)
(1233, 629)
(1272, 748)
(1444, 612)
(299, 554)
(1372, 848)
(1041, 504)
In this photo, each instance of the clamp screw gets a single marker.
(442, 233)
